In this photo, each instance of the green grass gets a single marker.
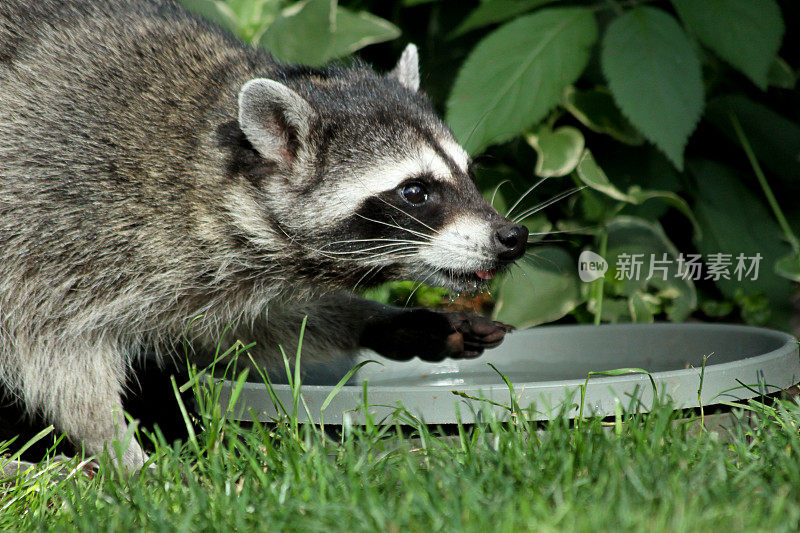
(655, 472)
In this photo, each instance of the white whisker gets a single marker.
(411, 231)
(526, 193)
(496, 189)
(575, 230)
(420, 284)
(365, 250)
(408, 215)
(362, 278)
(406, 252)
(535, 209)
(376, 240)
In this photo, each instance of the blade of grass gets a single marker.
(185, 416)
(338, 387)
(237, 346)
(700, 390)
(270, 389)
(615, 372)
(486, 400)
(514, 405)
(33, 440)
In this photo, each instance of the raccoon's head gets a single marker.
(365, 183)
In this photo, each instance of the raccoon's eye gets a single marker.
(414, 193)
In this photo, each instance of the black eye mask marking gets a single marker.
(389, 215)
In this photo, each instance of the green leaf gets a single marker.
(788, 267)
(517, 74)
(745, 33)
(670, 198)
(494, 11)
(754, 307)
(254, 11)
(215, 11)
(315, 31)
(774, 138)
(541, 289)
(716, 309)
(781, 75)
(254, 16)
(654, 74)
(355, 30)
(592, 175)
(614, 310)
(497, 184)
(630, 235)
(734, 222)
(558, 150)
(538, 227)
(595, 109)
(642, 307)
(302, 33)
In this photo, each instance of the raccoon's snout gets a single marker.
(510, 242)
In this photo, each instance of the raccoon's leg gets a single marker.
(345, 322)
(78, 387)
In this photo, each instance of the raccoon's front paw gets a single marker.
(476, 333)
(432, 335)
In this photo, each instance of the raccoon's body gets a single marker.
(153, 169)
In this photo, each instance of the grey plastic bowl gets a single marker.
(547, 366)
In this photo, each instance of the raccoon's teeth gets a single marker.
(486, 274)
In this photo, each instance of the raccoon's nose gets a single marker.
(511, 242)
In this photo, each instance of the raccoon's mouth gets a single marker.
(480, 277)
(460, 281)
(455, 279)
(486, 275)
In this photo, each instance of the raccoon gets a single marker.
(153, 170)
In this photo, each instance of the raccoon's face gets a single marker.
(370, 185)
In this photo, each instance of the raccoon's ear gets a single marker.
(274, 118)
(407, 69)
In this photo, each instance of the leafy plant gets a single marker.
(315, 31)
(542, 52)
(602, 79)
(311, 32)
